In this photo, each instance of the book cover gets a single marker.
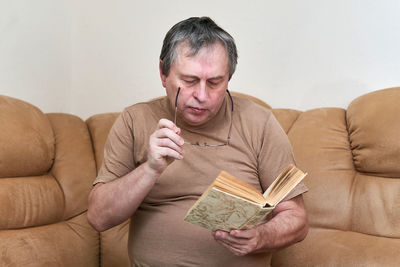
(229, 203)
(219, 210)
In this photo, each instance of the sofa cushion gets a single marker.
(353, 203)
(99, 125)
(27, 139)
(47, 168)
(374, 132)
(114, 241)
(329, 247)
(67, 243)
(321, 147)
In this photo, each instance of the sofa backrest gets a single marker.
(46, 170)
(353, 160)
(114, 242)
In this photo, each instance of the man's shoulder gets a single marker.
(146, 105)
(143, 109)
(247, 107)
(143, 113)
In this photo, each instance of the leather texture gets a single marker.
(46, 171)
(114, 242)
(48, 163)
(27, 146)
(353, 204)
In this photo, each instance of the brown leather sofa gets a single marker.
(48, 162)
(46, 172)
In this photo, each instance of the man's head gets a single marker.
(200, 57)
(197, 33)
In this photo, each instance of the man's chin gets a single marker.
(196, 120)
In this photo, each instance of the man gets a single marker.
(160, 156)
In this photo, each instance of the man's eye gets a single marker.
(190, 81)
(213, 83)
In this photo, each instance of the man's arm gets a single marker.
(288, 226)
(112, 203)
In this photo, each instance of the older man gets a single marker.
(160, 156)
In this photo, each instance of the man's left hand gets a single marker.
(288, 226)
(240, 242)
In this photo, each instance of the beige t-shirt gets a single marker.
(259, 150)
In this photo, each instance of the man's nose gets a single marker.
(200, 93)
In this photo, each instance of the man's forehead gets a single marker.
(185, 49)
(210, 61)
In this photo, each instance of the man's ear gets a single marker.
(162, 75)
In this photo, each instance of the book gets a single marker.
(229, 203)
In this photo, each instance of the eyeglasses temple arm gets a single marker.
(230, 126)
(176, 97)
(230, 97)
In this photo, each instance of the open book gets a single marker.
(229, 203)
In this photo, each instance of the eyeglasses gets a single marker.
(206, 144)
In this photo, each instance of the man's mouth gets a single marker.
(197, 110)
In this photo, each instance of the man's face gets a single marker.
(203, 80)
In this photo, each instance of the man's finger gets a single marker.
(245, 234)
(164, 123)
(226, 237)
(168, 143)
(167, 152)
(168, 133)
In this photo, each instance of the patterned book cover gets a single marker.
(219, 210)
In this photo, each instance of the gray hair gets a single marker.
(196, 32)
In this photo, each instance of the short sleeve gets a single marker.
(118, 151)
(275, 155)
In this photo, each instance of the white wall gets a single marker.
(35, 52)
(88, 57)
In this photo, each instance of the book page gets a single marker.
(230, 184)
(283, 184)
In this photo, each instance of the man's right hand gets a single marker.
(165, 145)
(105, 209)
